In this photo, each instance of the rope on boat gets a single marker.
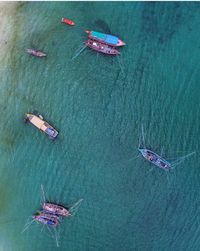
(73, 209)
(27, 225)
(143, 141)
(134, 157)
(43, 194)
(120, 66)
(79, 52)
(53, 235)
(56, 237)
(181, 159)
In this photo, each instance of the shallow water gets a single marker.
(99, 104)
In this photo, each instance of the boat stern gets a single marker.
(51, 132)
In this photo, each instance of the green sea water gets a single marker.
(99, 104)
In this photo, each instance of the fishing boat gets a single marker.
(42, 125)
(35, 53)
(103, 48)
(46, 219)
(56, 209)
(67, 21)
(105, 38)
(155, 159)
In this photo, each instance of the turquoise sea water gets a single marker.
(99, 103)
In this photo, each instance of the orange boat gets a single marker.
(67, 21)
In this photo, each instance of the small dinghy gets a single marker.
(35, 53)
(67, 21)
(103, 48)
(56, 209)
(155, 159)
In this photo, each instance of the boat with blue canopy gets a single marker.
(105, 38)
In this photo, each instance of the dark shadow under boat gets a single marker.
(155, 159)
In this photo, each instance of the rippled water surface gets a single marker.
(99, 103)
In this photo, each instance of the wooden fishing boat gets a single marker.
(155, 159)
(67, 21)
(46, 219)
(56, 209)
(35, 53)
(103, 48)
(42, 125)
(105, 38)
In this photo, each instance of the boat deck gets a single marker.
(155, 159)
(42, 125)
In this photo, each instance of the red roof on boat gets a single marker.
(67, 21)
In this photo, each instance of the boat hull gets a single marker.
(155, 159)
(42, 125)
(103, 48)
(35, 53)
(56, 209)
(67, 21)
(46, 219)
(105, 38)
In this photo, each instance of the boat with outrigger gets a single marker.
(46, 219)
(103, 48)
(56, 209)
(35, 53)
(51, 215)
(105, 38)
(41, 124)
(155, 159)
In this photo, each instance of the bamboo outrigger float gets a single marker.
(42, 125)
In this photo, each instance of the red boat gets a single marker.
(100, 47)
(67, 21)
